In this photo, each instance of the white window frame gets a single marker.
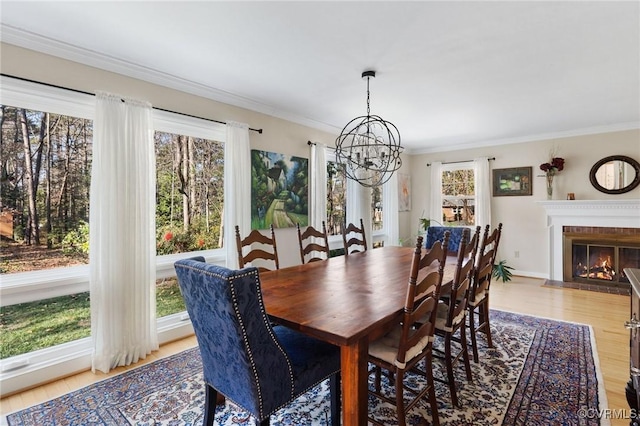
(30, 369)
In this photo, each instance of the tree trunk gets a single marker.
(192, 177)
(32, 234)
(183, 175)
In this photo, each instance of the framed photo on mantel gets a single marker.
(512, 181)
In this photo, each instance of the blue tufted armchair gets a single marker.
(258, 366)
(436, 233)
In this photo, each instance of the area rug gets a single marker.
(540, 372)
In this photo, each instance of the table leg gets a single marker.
(354, 383)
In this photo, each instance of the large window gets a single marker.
(45, 170)
(458, 195)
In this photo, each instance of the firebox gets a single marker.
(600, 258)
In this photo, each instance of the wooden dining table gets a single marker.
(347, 301)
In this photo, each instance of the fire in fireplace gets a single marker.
(594, 262)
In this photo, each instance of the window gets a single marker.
(45, 169)
(189, 194)
(58, 125)
(376, 208)
(458, 194)
(336, 198)
(337, 202)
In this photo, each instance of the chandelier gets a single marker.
(369, 147)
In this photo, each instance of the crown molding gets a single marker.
(618, 127)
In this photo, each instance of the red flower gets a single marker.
(200, 242)
(556, 165)
(168, 236)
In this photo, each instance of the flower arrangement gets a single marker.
(551, 169)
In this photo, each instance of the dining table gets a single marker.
(347, 301)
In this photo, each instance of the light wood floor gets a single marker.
(606, 313)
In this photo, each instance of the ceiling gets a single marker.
(450, 75)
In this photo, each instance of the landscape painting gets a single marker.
(279, 190)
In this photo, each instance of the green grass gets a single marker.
(27, 327)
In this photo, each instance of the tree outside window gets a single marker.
(458, 197)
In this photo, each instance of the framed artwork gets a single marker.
(512, 181)
(404, 192)
(279, 190)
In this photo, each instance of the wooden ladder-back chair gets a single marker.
(479, 291)
(257, 253)
(452, 311)
(411, 340)
(354, 238)
(314, 245)
(260, 367)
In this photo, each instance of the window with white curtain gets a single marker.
(58, 125)
(337, 202)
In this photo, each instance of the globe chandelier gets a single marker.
(369, 147)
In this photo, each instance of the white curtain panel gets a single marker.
(318, 185)
(483, 191)
(390, 216)
(122, 237)
(435, 199)
(359, 207)
(237, 188)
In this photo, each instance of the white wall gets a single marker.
(524, 220)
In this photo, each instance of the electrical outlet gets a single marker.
(516, 254)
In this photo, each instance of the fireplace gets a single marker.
(598, 255)
(565, 215)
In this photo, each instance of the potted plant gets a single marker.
(502, 271)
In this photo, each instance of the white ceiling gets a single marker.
(449, 74)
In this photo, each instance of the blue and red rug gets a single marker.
(540, 372)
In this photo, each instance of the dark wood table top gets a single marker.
(342, 299)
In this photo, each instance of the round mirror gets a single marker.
(615, 174)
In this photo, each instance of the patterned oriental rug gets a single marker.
(541, 372)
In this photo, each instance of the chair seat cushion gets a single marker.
(311, 359)
(441, 317)
(386, 348)
(479, 298)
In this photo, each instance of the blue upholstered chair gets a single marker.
(259, 367)
(436, 233)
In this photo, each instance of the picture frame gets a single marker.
(404, 192)
(512, 181)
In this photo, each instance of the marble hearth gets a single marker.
(584, 213)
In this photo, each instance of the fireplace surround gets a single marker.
(610, 213)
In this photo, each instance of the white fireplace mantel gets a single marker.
(623, 213)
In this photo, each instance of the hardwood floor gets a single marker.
(606, 313)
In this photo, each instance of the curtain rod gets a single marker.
(93, 94)
(462, 161)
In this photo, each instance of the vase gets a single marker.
(549, 186)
